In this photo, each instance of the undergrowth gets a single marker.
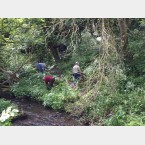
(7, 112)
(33, 86)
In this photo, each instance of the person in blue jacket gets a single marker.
(40, 67)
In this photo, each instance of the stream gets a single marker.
(38, 115)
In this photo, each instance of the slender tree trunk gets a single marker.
(53, 49)
(50, 44)
(123, 26)
(124, 35)
(106, 23)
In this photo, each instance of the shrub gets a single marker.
(59, 96)
(4, 104)
(7, 115)
(34, 87)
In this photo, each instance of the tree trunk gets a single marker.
(123, 26)
(53, 50)
(50, 44)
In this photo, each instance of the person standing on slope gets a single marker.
(76, 73)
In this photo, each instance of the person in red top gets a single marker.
(49, 80)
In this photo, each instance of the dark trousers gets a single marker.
(76, 77)
(50, 83)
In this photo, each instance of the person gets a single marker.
(43, 66)
(76, 73)
(62, 50)
(40, 67)
(49, 81)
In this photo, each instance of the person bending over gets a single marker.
(40, 67)
(49, 81)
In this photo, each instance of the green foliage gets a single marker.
(135, 120)
(7, 112)
(34, 87)
(136, 67)
(30, 85)
(118, 109)
(4, 104)
(121, 119)
(118, 119)
(60, 96)
(7, 115)
(110, 96)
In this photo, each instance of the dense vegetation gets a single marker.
(112, 92)
(8, 112)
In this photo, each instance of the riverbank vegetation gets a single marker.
(110, 53)
(8, 112)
